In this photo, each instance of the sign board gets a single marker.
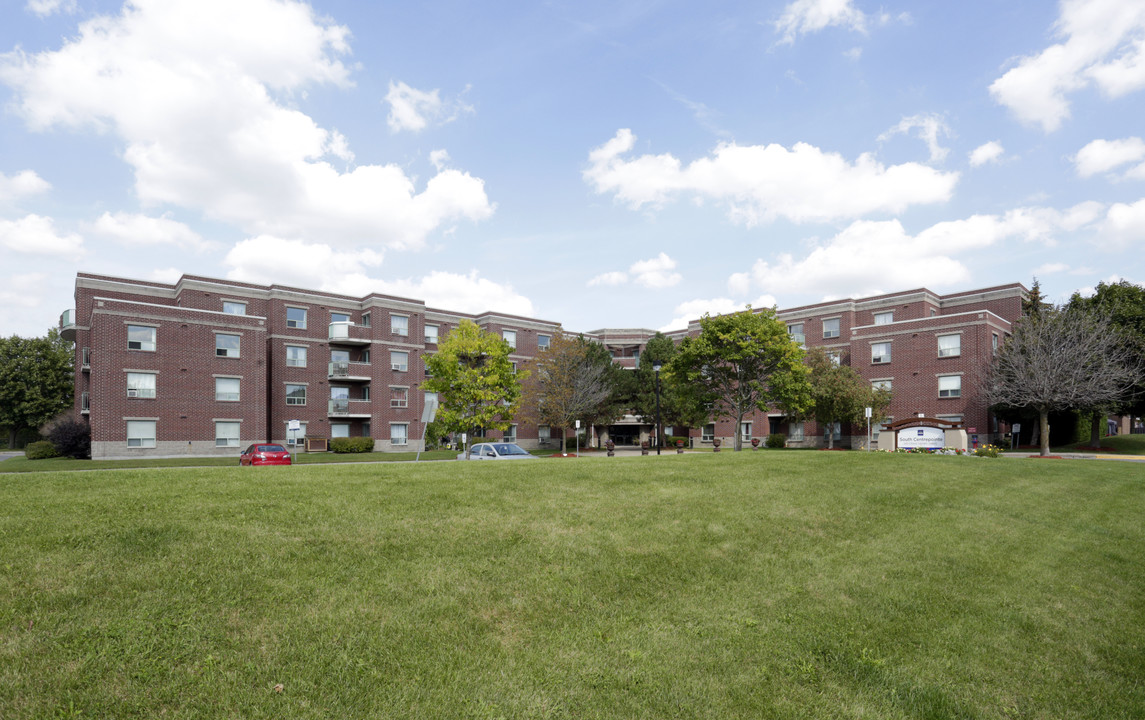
(1016, 428)
(293, 425)
(578, 424)
(429, 412)
(930, 438)
(867, 413)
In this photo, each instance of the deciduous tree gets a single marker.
(568, 382)
(36, 381)
(1065, 359)
(677, 409)
(839, 394)
(474, 379)
(739, 363)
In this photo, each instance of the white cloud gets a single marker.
(694, 309)
(133, 229)
(1125, 223)
(759, 183)
(22, 290)
(37, 235)
(412, 109)
(1050, 269)
(21, 185)
(271, 260)
(165, 275)
(869, 257)
(654, 274)
(807, 16)
(1103, 44)
(928, 128)
(43, 8)
(439, 159)
(986, 153)
(1101, 156)
(201, 107)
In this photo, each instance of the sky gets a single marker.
(629, 163)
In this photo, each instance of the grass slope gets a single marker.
(765, 585)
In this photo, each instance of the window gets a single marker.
(949, 386)
(543, 432)
(399, 434)
(994, 343)
(365, 392)
(835, 429)
(339, 393)
(140, 385)
(295, 356)
(795, 330)
(831, 328)
(339, 430)
(296, 318)
(227, 389)
(339, 317)
(141, 433)
(708, 433)
(884, 318)
(226, 345)
(510, 337)
(431, 334)
(140, 338)
(227, 434)
(399, 361)
(295, 394)
(399, 397)
(880, 352)
(234, 308)
(340, 356)
(543, 342)
(366, 320)
(745, 432)
(881, 384)
(511, 434)
(835, 356)
(949, 345)
(795, 432)
(636, 357)
(399, 325)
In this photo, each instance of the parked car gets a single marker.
(265, 454)
(498, 451)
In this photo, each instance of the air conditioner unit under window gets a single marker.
(132, 392)
(400, 368)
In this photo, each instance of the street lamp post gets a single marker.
(659, 430)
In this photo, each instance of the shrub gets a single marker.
(40, 450)
(776, 440)
(673, 438)
(988, 451)
(71, 437)
(352, 445)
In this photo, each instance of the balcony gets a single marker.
(68, 325)
(85, 361)
(347, 333)
(85, 403)
(347, 408)
(348, 371)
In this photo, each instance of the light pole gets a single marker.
(659, 430)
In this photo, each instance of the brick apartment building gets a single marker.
(206, 366)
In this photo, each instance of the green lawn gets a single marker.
(20, 464)
(753, 585)
(1119, 444)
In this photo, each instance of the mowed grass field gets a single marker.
(750, 585)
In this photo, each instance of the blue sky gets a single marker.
(600, 164)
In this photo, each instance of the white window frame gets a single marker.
(137, 389)
(544, 432)
(885, 317)
(144, 433)
(227, 351)
(950, 351)
(144, 345)
(296, 323)
(295, 400)
(882, 384)
(337, 316)
(338, 430)
(510, 435)
(831, 333)
(223, 396)
(881, 359)
(543, 342)
(708, 432)
(401, 439)
(745, 431)
(399, 397)
(395, 365)
(836, 356)
(399, 325)
(234, 307)
(232, 436)
(431, 338)
(510, 336)
(295, 361)
(950, 392)
(795, 432)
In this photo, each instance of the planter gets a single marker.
(643, 447)
(716, 444)
(679, 447)
(755, 443)
(611, 447)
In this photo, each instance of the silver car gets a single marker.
(498, 451)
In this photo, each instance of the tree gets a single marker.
(567, 383)
(617, 378)
(1065, 359)
(36, 381)
(677, 409)
(474, 381)
(839, 394)
(1124, 304)
(740, 363)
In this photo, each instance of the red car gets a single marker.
(265, 454)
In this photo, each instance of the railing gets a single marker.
(339, 369)
(343, 406)
(345, 332)
(85, 361)
(68, 324)
(85, 403)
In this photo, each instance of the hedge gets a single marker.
(352, 445)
